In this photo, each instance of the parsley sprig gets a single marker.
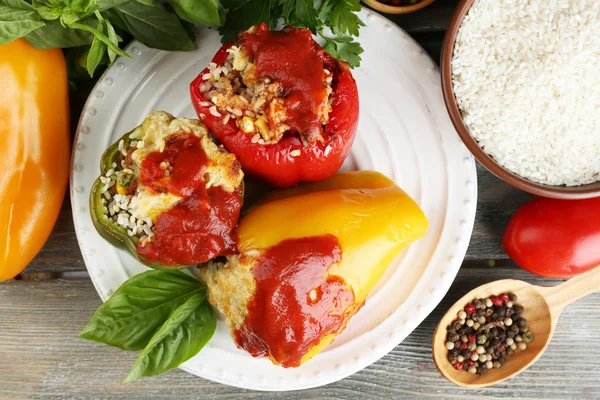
(338, 15)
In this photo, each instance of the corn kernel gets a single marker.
(247, 125)
(263, 127)
(121, 189)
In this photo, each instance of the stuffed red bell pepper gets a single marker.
(278, 101)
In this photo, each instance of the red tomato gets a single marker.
(555, 238)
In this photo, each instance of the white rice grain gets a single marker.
(526, 76)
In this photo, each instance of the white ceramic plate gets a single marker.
(404, 132)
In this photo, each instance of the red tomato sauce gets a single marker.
(291, 57)
(200, 226)
(295, 304)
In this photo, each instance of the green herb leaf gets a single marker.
(204, 12)
(345, 49)
(97, 50)
(253, 12)
(325, 9)
(17, 22)
(146, 2)
(54, 35)
(233, 4)
(17, 4)
(48, 12)
(104, 5)
(112, 35)
(343, 19)
(181, 337)
(133, 314)
(301, 13)
(68, 11)
(115, 19)
(100, 36)
(155, 26)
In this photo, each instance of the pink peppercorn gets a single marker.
(470, 362)
(470, 309)
(471, 338)
(504, 297)
(463, 346)
(458, 365)
(496, 300)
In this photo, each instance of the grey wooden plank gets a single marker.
(41, 356)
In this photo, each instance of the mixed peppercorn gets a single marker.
(485, 332)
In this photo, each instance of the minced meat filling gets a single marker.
(255, 103)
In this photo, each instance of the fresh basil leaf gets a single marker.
(301, 13)
(54, 35)
(97, 50)
(68, 18)
(345, 49)
(82, 6)
(104, 5)
(190, 29)
(48, 12)
(155, 27)
(17, 4)
(181, 337)
(253, 12)
(116, 39)
(343, 19)
(115, 19)
(146, 2)
(100, 36)
(139, 307)
(204, 12)
(16, 23)
(233, 4)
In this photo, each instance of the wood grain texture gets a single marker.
(41, 356)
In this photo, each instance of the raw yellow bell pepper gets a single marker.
(362, 215)
(34, 150)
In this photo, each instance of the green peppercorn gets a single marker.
(527, 337)
(471, 346)
(481, 339)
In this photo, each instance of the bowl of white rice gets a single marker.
(521, 81)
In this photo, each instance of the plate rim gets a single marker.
(376, 353)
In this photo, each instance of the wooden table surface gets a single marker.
(41, 314)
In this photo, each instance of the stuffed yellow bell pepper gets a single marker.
(309, 257)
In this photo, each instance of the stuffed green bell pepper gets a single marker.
(168, 194)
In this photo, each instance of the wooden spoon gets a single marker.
(542, 308)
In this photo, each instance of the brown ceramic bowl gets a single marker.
(386, 8)
(558, 192)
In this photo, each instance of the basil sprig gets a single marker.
(165, 314)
